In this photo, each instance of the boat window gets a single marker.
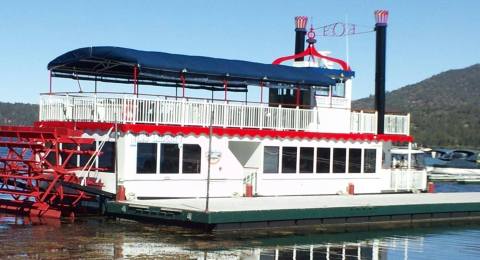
(270, 159)
(192, 156)
(85, 157)
(169, 158)
(339, 157)
(106, 159)
(306, 159)
(322, 91)
(338, 90)
(323, 160)
(369, 160)
(289, 159)
(147, 158)
(354, 160)
(418, 161)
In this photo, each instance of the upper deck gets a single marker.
(165, 110)
(306, 97)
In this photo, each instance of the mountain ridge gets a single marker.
(444, 108)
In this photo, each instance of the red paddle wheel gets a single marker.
(36, 172)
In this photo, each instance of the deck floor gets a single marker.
(309, 202)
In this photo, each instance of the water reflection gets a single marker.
(99, 238)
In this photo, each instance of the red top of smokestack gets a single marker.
(301, 23)
(381, 17)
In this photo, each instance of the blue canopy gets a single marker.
(116, 64)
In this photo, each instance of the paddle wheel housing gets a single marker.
(36, 176)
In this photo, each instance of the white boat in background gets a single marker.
(453, 162)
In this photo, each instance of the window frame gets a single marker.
(300, 160)
(350, 160)
(182, 167)
(283, 160)
(334, 159)
(334, 87)
(161, 159)
(278, 159)
(156, 157)
(364, 168)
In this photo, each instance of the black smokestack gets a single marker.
(300, 32)
(381, 17)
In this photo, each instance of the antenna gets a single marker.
(347, 42)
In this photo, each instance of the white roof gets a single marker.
(404, 151)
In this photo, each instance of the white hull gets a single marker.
(454, 171)
(240, 159)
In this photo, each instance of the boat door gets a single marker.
(249, 155)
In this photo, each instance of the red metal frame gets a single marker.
(135, 82)
(225, 86)
(311, 51)
(182, 78)
(35, 173)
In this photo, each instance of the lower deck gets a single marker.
(268, 212)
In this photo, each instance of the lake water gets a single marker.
(101, 238)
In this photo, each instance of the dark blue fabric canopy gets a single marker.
(118, 63)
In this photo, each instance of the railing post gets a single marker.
(204, 113)
(124, 110)
(261, 116)
(135, 109)
(279, 117)
(242, 116)
(297, 118)
(95, 109)
(407, 127)
(225, 114)
(182, 113)
(361, 124)
(40, 109)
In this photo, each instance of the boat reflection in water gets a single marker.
(100, 238)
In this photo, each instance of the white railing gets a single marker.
(131, 109)
(408, 179)
(161, 110)
(364, 122)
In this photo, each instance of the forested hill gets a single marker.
(445, 108)
(18, 113)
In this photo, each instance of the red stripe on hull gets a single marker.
(220, 131)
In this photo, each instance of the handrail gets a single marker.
(228, 101)
(161, 110)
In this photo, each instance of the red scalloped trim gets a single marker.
(219, 131)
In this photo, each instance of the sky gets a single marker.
(424, 37)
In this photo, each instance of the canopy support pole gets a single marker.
(50, 80)
(246, 97)
(135, 83)
(182, 77)
(225, 86)
(261, 92)
(95, 84)
(297, 96)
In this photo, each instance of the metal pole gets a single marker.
(225, 88)
(261, 92)
(50, 79)
(210, 132)
(116, 155)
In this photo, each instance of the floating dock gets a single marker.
(289, 211)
